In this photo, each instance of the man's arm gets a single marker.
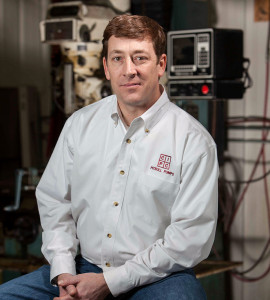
(54, 202)
(189, 237)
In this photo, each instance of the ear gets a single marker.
(162, 64)
(107, 74)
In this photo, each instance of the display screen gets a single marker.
(58, 30)
(183, 51)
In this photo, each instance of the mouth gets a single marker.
(131, 84)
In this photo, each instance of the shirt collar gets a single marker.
(151, 117)
(114, 114)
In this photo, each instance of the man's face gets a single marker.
(134, 71)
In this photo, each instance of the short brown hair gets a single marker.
(135, 27)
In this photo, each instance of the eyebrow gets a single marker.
(120, 52)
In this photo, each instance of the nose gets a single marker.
(129, 68)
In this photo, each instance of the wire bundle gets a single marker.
(230, 188)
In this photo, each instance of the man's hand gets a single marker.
(88, 286)
(67, 290)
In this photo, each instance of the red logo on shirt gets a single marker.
(164, 161)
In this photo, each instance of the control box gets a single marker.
(205, 53)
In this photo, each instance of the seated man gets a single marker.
(132, 182)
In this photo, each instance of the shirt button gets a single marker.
(115, 203)
(128, 141)
(122, 172)
(146, 130)
(108, 264)
(109, 235)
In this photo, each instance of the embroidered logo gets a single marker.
(164, 161)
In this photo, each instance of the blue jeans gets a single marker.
(36, 286)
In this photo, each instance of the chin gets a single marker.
(134, 102)
(132, 98)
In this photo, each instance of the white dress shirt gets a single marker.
(140, 201)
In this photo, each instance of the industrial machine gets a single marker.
(206, 64)
(78, 29)
(75, 29)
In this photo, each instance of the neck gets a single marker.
(130, 113)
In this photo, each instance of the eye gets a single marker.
(140, 58)
(116, 58)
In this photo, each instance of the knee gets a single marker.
(24, 286)
(6, 290)
(189, 287)
(178, 286)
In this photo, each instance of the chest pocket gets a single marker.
(158, 197)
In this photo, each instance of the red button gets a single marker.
(205, 89)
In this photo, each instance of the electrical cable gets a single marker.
(230, 203)
(247, 79)
(248, 117)
(241, 198)
(237, 120)
(240, 275)
(268, 242)
(248, 141)
(249, 181)
(237, 127)
(226, 200)
(243, 160)
(256, 262)
(252, 279)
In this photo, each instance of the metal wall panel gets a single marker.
(24, 60)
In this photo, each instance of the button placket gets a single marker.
(117, 197)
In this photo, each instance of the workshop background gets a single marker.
(42, 82)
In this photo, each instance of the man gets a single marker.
(132, 181)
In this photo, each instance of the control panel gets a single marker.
(203, 50)
(205, 89)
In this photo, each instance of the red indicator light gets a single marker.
(205, 89)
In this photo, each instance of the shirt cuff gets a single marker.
(117, 280)
(62, 264)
